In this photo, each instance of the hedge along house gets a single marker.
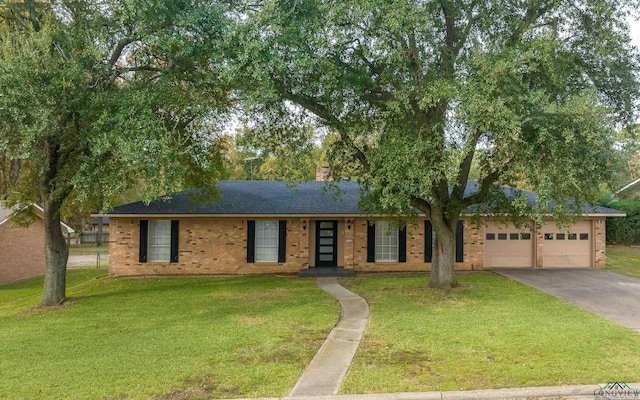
(263, 227)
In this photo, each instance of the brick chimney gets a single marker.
(322, 174)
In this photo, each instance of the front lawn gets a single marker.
(161, 338)
(624, 260)
(489, 333)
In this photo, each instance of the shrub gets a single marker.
(624, 230)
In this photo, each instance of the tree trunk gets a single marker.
(444, 251)
(56, 256)
(14, 174)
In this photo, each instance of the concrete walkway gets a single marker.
(324, 374)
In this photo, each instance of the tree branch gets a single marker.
(421, 204)
(465, 167)
(322, 112)
(485, 185)
(34, 17)
(530, 17)
(447, 65)
(117, 52)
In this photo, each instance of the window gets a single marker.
(386, 242)
(513, 236)
(525, 236)
(560, 236)
(158, 241)
(502, 236)
(573, 236)
(159, 244)
(266, 244)
(548, 236)
(491, 236)
(584, 236)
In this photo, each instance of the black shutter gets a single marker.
(460, 242)
(402, 244)
(144, 233)
(371, 242)
(251, 241)
(175, 228)
(282, 241)
(428, 241)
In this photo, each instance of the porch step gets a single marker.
(330, 271)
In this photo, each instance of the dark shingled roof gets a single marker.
(278, 197)
(258, 197)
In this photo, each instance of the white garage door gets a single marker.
(569, 246)
(507, 246)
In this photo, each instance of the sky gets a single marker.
(635, 31)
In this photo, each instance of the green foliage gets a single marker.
(116, 91)
(417, 92)
(292, 157)
(99, 96)
(624, 230)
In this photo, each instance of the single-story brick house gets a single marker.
(268, 227)
(22, 248)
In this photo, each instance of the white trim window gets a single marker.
(266, 241)
(159, 241)
(386, 242)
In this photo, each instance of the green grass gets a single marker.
(624, 260)
(489, 333)
(161, 338)
(194, 338)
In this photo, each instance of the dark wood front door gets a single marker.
(326, 243)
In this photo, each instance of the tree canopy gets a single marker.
(101, 95)
(417, 91)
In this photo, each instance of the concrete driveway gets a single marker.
(612, 296)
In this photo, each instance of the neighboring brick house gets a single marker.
(22, 248)
(263, 227)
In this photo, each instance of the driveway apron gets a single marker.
(324, 374)
(608, 294)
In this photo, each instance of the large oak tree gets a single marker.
(529, 90)
(98, 95)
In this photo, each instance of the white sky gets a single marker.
(634, 26)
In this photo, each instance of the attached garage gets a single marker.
(508, 246)
(557, 247)
(568, 247)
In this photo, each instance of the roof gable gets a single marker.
(5, 214)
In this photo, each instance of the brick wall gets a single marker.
(473, 247)
(219, 246)
(22, 251)
(206, 246)
(600, 242)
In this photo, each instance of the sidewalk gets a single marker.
(324, 375)
(583, 392)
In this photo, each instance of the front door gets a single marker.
(326, 243)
